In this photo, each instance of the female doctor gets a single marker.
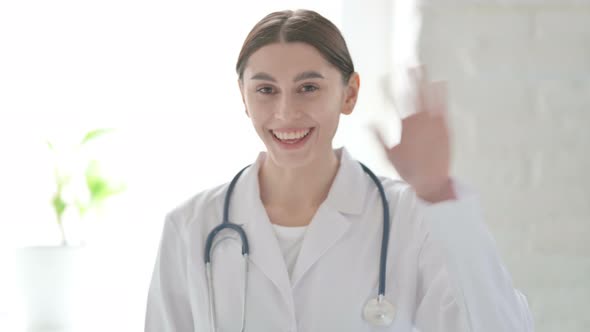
(325, 246)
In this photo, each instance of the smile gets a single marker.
(291, 136)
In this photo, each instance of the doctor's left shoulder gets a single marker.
(460, 264)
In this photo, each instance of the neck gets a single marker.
(295, 189)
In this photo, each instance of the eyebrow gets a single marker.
(302, 76)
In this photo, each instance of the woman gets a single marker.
(313, 217)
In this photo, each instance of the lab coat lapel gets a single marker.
(332, 220)
(327, 227)
(330, 223)
(246, 209)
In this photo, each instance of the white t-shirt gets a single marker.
(290, 240)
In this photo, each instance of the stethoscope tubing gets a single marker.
(385, 235)
(246, 250)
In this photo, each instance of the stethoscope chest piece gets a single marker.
(379, 312)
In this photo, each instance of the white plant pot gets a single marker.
(49, 279)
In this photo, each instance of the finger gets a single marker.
(419, 82)
(389, 90)
(419, 72)
(438, 97)
(379, 136)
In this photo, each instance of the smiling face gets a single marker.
(294, 98)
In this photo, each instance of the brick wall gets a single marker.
(519, 75)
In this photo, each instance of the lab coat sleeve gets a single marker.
(463, 285)
(168, 307)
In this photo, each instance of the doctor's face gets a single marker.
(294, 98)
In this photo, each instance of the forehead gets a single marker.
(287, 60)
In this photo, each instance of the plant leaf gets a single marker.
(58, 205)
(98, 186)
(95, 133)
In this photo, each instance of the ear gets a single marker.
(351, 93)
(241, 87)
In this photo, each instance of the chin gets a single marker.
(290, 159)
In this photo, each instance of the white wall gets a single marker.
(162, 74)
(519, 76)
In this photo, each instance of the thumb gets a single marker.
(380, 138)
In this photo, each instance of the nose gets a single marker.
(287, 109)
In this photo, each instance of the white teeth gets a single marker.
(292, 134)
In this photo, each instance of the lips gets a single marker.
(291, 134)
(292, 138)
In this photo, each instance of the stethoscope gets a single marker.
(377, 311)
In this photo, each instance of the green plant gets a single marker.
(98, 187)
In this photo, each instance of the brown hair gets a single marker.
(301, 25)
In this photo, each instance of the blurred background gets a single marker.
(161, 75)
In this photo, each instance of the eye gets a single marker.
(265, 90)
(309, 88)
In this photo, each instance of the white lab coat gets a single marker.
(444, 272)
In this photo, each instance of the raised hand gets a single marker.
(422, 158)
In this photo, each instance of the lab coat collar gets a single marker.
(346, 196)
(349, 187)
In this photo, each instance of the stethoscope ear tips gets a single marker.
(379, 312)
